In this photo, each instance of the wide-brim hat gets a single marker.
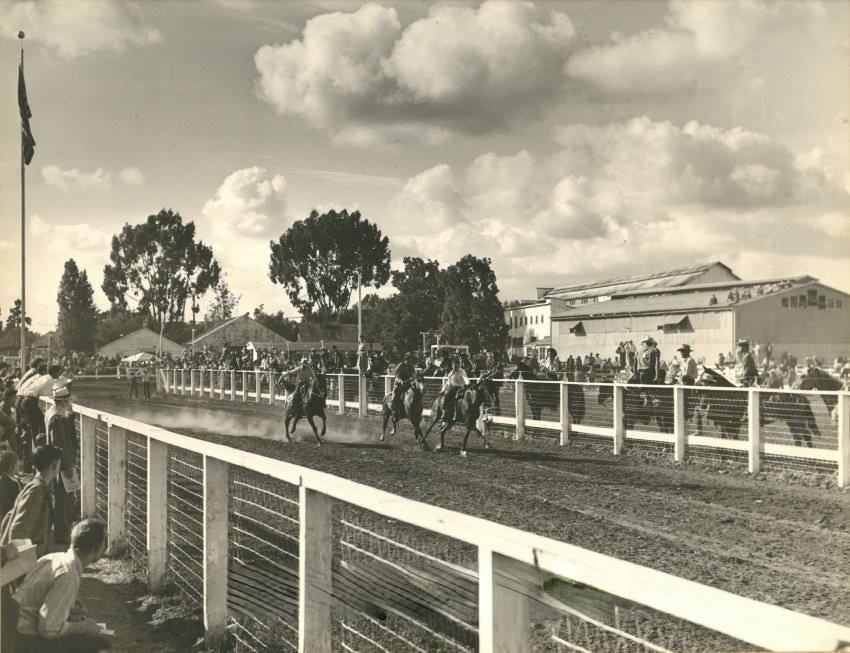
(743, 342)
(686, 348)
(649, 340)
(61, 393)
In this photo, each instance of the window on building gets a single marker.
(794, 301)
(584, 300)
(839, 303)
(822, 302)
(802, 301)
(830, 303)
(784, 302)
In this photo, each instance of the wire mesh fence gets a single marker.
(262, 593)
(598, 403)
(186, 523)
(800, 420)
(352, 388)
(716, 413)
(648, 409)
(101, 469)
(136, 496)
(542, 401)
(400, 588)
(375, 389)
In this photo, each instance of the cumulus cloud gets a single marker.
(79, 27)
(700, 41)
(369, 81)
(620, 192)
(98, 179)
(246, 211)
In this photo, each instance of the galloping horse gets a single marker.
(467, 412)
(309, 407)
(411, 409)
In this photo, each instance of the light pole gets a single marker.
(424, 334)
(359, 308)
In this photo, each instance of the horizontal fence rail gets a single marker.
(278, 553)
(805, 429)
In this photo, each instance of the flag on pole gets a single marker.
(27, 140)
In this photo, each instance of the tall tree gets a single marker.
(224, 302)
(277, 322)
(160, 265)
(77, 312)
(472, 313)
(418, 305)
(317, 260)
(13, 320)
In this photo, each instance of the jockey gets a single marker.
(305, 380)
(746, 372)
(403, 377)
(687, 373)
(648, 362)
(456, 381)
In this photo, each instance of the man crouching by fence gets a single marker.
(47, 599)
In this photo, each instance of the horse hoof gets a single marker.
(488, 445)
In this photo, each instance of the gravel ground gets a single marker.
(764, 538)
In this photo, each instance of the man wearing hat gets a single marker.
(746, 372)
(687, 373)
(404, 374)
(305, 379)
(59, 421)
(648, 362)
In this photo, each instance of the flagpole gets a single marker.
(23, 241)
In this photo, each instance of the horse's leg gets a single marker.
(386, 419)
(324, 422)
(315, 430)
(482, 436)
(463, 445)
(286, 426)
(443, 436)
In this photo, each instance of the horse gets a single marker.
(643, 405)
(411, 409)
(467, 411)
(314, 406)
(823, 381)
(539, 395)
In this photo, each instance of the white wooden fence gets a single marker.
(507, 558)
(610, 421)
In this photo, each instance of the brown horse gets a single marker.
(297, 406)
(467, 412)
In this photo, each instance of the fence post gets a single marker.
(271, 388)
(502, 611)
(88, 465)
(258, 384)
(244, 385)
(843, 439)
(315, 547)
(388, 384)
(519, 402)
(116, 485)
(221, 384)
(341, 391)
(362, 397)
(679, 424)
(232, 385)
(565, 413)
(753, 433)
(216, 509)
(212, 384)
(160, 375)
(157, 522)
(619, 419)
(182, 382)
(118, 372)
(191, 382)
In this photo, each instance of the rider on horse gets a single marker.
(746, 372)
(648, 363)
(456, 381)
(687, 373)
(305, 381)
(404, 374)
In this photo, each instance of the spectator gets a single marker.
(7, 421)
(10, 487)
(31, 517)
(59, 421)
(134, 384)
(49, 596)
(146, 382)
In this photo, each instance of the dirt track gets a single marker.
(784, 544)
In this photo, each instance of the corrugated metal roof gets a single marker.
(724, 285)
(666, 278)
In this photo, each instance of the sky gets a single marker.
(567, 141)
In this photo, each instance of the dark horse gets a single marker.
(731, 413)
(467, 412)
(643, 405)
(297, 407)
(823, 381)
(540, 395)
(411, 409)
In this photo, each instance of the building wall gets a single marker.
(238, 334)
(709, 334)
(801, 331)
(141, 340)
(527, 324)
(715, 274)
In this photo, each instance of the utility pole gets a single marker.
(424, 335)
(359, 307)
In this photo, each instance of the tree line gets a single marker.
(159, 271)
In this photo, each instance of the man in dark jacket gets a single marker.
(59, 421)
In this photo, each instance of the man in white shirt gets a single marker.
(48, 597)
(456, 381)
(687, 374)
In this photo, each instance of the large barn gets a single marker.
(236, 332)
(799, 315)
(139, 340)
